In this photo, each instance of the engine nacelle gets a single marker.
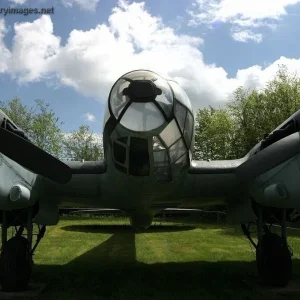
(19, 194)
(279, 187)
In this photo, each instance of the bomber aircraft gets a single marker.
(148, 167)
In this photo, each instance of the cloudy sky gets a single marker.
(72, 57)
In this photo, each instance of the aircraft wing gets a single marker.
(84, 189)
(268, 174)
(88, 167)
(87, 179)
(215, 166)
(212, 179)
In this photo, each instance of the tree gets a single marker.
(45, 130)
(248, 109)
(20, 114)
(83, 144)
(38, 122)
(232, 131)
(214, 134)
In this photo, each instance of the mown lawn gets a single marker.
(104, 259)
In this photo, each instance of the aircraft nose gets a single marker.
(141, 101)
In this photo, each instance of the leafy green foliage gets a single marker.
(46, 132)
(83, 144)
(38, 122)
(216, 128)
(20, 114)
(231, 131)
(42, 126)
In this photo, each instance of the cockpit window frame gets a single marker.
(168, 107)
(188, 111)
(175, 98)
(118, 118)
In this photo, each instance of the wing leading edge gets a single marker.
(215, 166)
(87, 167)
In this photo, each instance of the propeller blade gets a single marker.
(269, 158)
(33, 158)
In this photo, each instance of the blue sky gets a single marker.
(72, 57)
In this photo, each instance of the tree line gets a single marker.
(40, 123)
(230, 131)
(226, 132)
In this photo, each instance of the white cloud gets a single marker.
(89, 117)
(18, 2)
(247, 35)
(91, 61)
(34, 49)
(5, 54)
(89, 5)
(239, 13)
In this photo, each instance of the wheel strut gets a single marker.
(40, 235)
(4, 227)
(273, 255)
(16, 253)
(29, 229)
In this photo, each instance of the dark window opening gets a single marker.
(139, 157)
(119, 153)
(279, 134)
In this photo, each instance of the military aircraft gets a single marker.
(148, 143)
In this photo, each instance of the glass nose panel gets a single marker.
(177, 150)
(180, 114)
(188, 129)
(141, 74)
(165, 100)
(142, 117)
(117, 99)
(157, 145)
(180, 164)
(180, 94)
(161, 158)
(170, 134)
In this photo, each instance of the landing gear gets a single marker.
(16, 259)
(273, 255)
(273, 258)
(15, 265)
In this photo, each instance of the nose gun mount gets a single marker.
(142, 91)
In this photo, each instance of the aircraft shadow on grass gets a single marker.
(226, 229)
(114, 229)
(111, 271)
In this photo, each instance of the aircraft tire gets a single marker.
(273, 260)
(15, 265)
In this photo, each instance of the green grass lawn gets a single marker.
(104, 259)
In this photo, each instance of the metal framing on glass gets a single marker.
(163, 102)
